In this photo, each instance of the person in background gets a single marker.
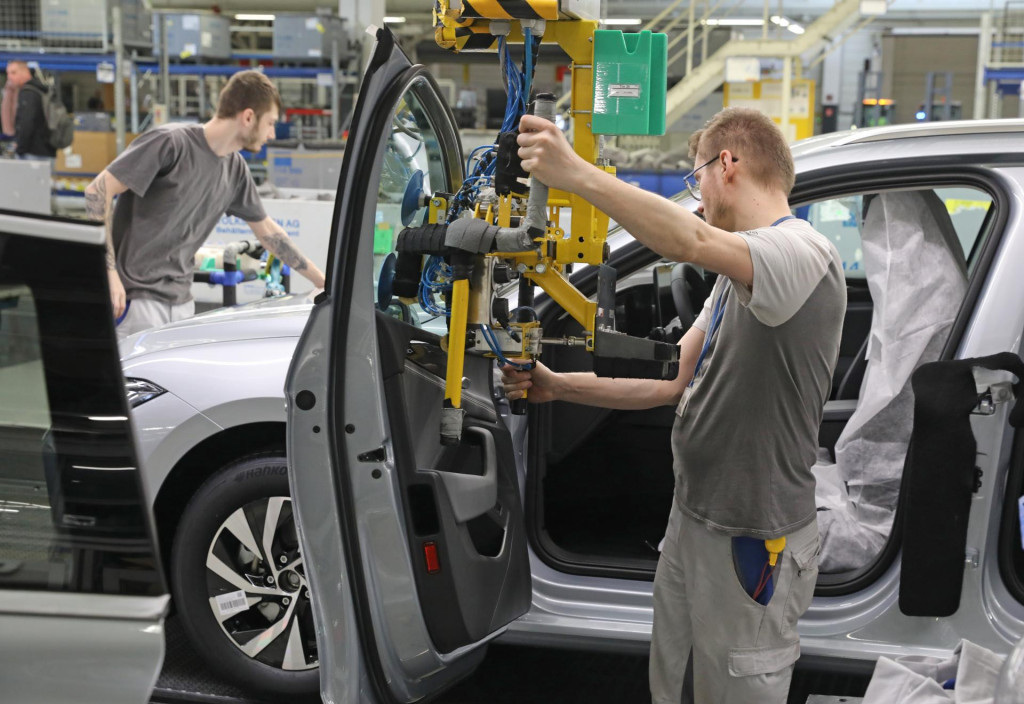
(22, 113)
(174, 183)
(9, 107)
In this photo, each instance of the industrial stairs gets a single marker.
(707, 77)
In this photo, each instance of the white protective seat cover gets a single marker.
(917, 277)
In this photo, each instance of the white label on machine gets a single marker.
(314, 52)
(188, 50)
(623, 90)
(312, 22)
(206, 39)
(73, 161)
(325, 79)
(232, 603)
(190, 22)
(105, 73)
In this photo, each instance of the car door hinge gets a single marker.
(378, 455)
(990, 398)
(978, 474)
(972, 558)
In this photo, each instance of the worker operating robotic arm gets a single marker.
(500, 228)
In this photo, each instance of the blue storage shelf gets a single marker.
(88, 63)
(665, 183)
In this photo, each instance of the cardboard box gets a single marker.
(89, 153)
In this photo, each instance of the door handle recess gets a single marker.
(472, 495)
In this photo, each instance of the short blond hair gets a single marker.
(753, 137)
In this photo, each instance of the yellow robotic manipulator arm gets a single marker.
(510, 232)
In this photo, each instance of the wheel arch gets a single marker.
(200, 462)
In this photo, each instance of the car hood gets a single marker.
(284, 316)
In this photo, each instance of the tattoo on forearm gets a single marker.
(280, 244)
(96, 199)
(97, 206)
(111, 257)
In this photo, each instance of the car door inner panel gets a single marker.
(940, 477)
(462, 500)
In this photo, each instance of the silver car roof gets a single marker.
(955, 138)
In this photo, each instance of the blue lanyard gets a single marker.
(717, 311)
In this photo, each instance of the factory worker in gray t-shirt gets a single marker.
(755, 371)
(173, 184)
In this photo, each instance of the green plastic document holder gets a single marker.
(630, 77)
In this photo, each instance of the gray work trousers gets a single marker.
(742, 651)
(147, 313)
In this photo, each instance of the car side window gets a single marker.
(841, 220)
(968, 210)
(73, 517)
(412, 171)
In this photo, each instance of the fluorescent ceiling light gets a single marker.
(734, 22)
(255, 17)
(394, 19)
(788, 24)
(621, 22)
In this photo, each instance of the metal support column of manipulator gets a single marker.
(512, 233)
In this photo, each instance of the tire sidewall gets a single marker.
(241, 482)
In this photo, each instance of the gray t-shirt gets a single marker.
(178, 189)
(746, 432)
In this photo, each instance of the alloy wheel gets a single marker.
(257, 585)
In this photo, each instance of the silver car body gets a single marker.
(224, 369)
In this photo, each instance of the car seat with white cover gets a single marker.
(917, 276)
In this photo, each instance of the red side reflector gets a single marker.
(430, 553)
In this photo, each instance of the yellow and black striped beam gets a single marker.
(511, 9)
(478, 37)
(472, 38)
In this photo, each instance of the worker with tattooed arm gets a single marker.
(173, 184)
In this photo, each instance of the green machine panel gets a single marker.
(630, 80)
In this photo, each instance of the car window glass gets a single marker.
(967, 208)
(841, 220)
(411, 172)
(72, 513)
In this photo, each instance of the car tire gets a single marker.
(264, 642)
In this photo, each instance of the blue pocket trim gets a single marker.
(750, 556)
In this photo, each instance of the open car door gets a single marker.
(416, 550)
(82, 594)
